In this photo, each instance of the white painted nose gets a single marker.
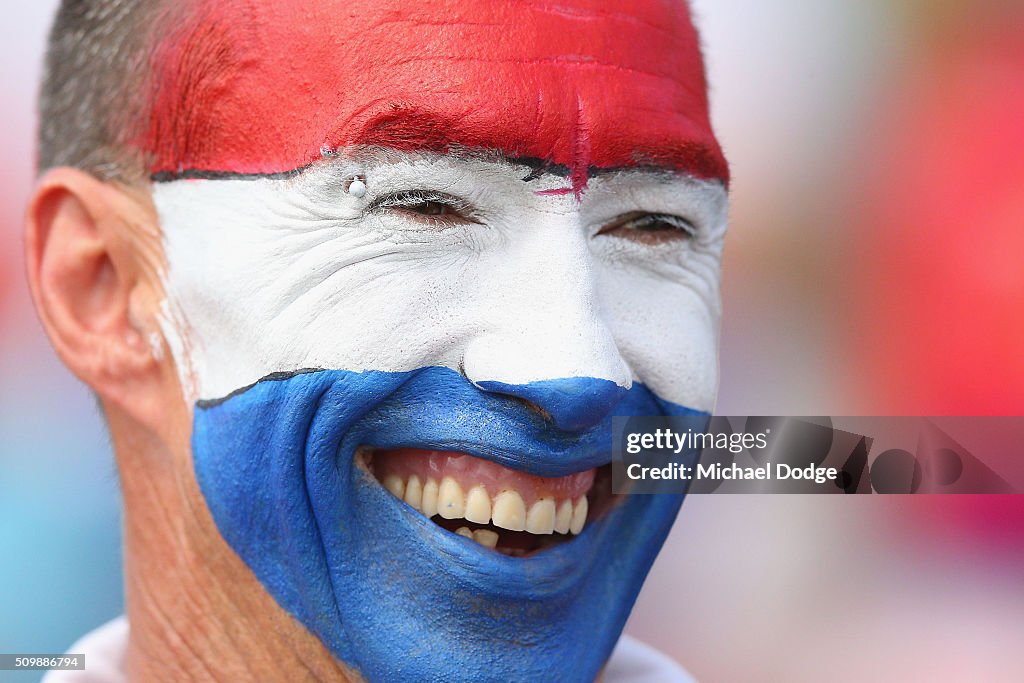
(544, 338)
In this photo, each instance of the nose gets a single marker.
(545, 339)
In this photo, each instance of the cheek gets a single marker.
(380, 315)
(667, 331)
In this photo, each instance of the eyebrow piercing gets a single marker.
(357, 187)
(357, 184)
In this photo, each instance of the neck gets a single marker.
(196, 611)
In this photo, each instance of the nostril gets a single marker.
(573, 404)
(532, 407)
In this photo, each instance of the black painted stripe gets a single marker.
(205, 403)
(202, 174)
(538, 168)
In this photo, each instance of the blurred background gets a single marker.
(875, 265)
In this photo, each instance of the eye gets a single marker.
(650, 228)
(426, 206)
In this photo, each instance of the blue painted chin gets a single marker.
(389, 592)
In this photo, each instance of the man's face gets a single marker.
(425, 254)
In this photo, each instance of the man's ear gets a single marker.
(92, 250)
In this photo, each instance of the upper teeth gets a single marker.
(506, 510)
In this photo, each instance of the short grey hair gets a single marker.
(92, 97)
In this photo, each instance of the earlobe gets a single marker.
(87, 279)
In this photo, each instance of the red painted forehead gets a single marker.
(260, 87)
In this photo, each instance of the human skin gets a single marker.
(253, 328)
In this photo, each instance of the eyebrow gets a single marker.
(416, 129)
(409, 129)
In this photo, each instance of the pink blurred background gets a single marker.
(875, 265)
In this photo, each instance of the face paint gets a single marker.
(533, 304)
(576, 85)
(322, 333)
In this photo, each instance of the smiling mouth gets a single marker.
(509, 511)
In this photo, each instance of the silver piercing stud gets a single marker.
(357, 188)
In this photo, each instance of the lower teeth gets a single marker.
(485, 537)
(510, 543)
